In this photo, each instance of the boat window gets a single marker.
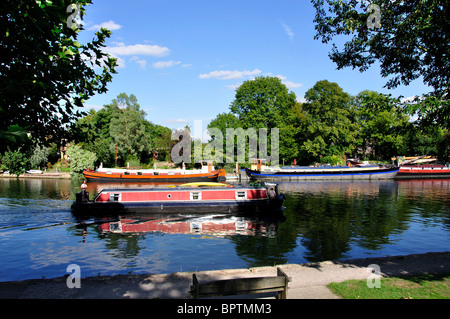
(115, 227)
(241, 195)
(126, 173)
(196, 227)
(139, 173)
(196, 195)
(114, 197)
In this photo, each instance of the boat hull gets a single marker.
(178, 177)
(325, 174)
(231, 207)
(196, 200)
(424, 172)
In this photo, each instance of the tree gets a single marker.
(44, 71)
(383, 125)
(330, 130)
(217, 129)
(425, 141)
(39, 157)
(128, 130)
(411, 42)
(262, 103)
(16, 162)
(266, 103)
(80, 159)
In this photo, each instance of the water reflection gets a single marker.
(36, 188)
(212, 225)
(334, 219)
(322, 220)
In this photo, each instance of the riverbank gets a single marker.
(45, 175)
(67, 175)
(309, 280)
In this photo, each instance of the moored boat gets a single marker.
(294, 173)
(206, 173)
(423, 171)
(421, 167)
(193, 198)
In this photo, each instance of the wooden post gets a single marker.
(117, 146)
(283, 294)
(238, 171)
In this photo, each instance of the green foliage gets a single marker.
(16, 162)
(80, 159)
(262, 103)
(44, 71)
(329, 120)
(13, 136)
(121, 126)
(411, 43)
(128, 129)
(39, 157)
(330, 126)
(383, 125)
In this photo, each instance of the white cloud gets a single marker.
(289, 84)
(120, 62)
(138, 49)
(288, 31)
(292, 85)
(229, 75)
(233, 86)
(141, 62)
(110, 25)
(92, 107)
(165, 64)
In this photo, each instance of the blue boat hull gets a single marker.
(324, 174)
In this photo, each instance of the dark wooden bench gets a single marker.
(241, 286)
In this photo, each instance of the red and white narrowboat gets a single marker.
(186, 198)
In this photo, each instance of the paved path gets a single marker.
(308, 280)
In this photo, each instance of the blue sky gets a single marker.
(183, 60)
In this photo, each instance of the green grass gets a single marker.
(415, 287)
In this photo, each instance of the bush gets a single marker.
(15, 162)
(80, 159)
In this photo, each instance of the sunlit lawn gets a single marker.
(416, 287)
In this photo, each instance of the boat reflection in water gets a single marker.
(218, 225)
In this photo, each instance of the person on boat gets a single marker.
(84, 193)
(272, 193)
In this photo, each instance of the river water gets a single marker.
(40, 237)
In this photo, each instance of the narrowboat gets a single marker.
(186, 198)
(294, 173)
(206, 173)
